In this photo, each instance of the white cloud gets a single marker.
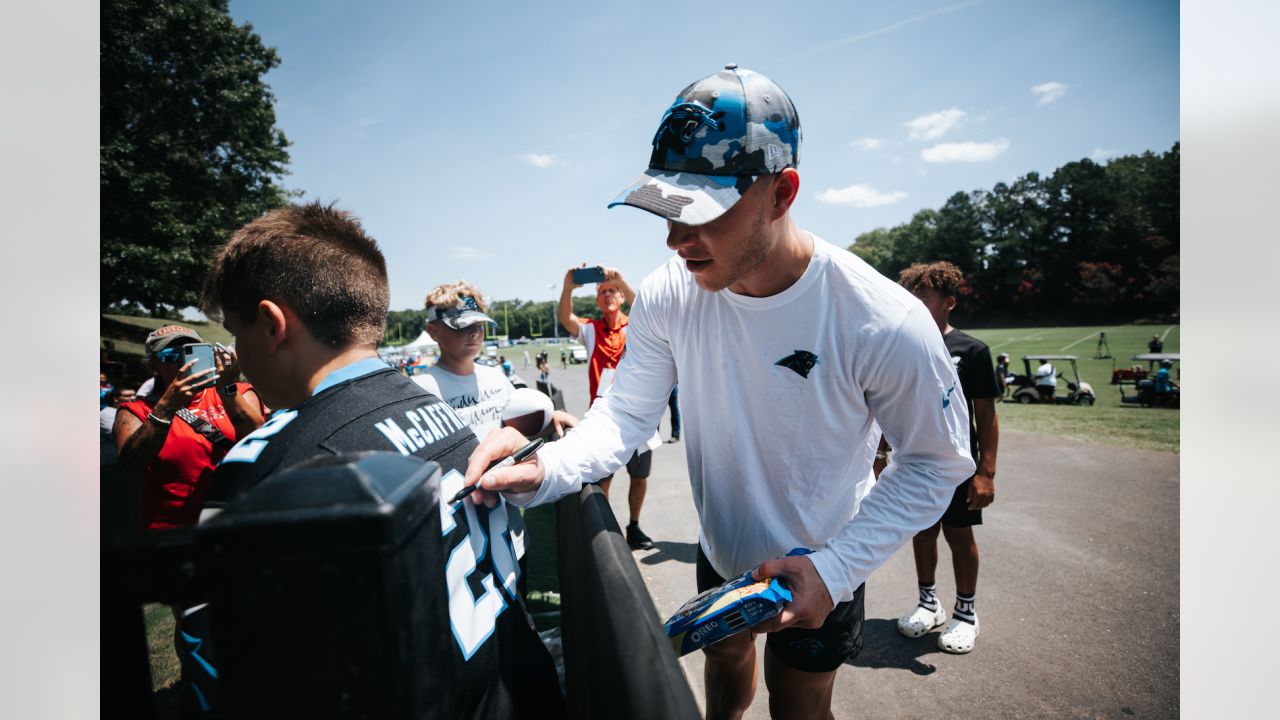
(964, 152)
(464, 252)
(1049, 92)
(540, 160)
(933, 125)
(866, 143)
(860, 196)
(1101, 153)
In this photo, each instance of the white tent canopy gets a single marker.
(423, 342)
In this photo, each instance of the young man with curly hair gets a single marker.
(937, 285)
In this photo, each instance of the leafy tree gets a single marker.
(189, 147)
(1101, 286)
(875, 246)
(1089, 242)
(958, 236)
(515, 318)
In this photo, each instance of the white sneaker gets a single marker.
(959, 636)
(921, 620)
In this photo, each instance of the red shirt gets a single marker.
(608, 345)
(176, 480)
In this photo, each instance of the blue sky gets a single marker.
(482, 141)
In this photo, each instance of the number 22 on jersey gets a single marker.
(473, 618)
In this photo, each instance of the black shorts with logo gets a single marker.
(821, 650)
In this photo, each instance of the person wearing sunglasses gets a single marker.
(176, 434)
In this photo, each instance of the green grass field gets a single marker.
(1109, 421)
(1124, 340)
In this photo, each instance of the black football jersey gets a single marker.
(503, 668)
(977, 374)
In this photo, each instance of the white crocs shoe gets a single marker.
(959, 636)
(921, 620)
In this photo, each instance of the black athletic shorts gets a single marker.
(958, 513)
(821, 650)
(639, 466)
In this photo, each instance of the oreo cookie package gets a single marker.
(727, 609)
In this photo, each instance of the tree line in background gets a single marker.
(1090, 243)
(515, 318)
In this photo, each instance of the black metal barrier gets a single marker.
(151, 567)
(553, 392)
(326, 602)
(618, 662)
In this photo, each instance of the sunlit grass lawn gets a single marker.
(1109, 421)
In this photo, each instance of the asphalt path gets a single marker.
(1077, 593)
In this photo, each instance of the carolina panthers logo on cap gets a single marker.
(801, 361)
(681, 122)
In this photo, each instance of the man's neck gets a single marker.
(784, 264)
(612, 318)
(310, 377)
(462, 365)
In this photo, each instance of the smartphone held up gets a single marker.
(588, 275)
(200, 355)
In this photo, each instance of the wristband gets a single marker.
(155, 419)
(229, 390)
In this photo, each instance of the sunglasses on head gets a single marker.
(170, 355)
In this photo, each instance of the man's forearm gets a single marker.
(242, 413)
(988, 427)
(143, 445)
(564, 310)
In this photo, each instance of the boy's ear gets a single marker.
(276, 324)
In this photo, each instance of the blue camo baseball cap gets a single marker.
(463, 315)
(721, 134)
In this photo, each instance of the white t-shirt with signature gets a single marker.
(479, 398)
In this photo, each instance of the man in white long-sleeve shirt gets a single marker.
(793, 355)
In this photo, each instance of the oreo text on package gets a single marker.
(727, 609)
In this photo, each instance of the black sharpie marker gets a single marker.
(520, 455)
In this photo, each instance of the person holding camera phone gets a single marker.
(176, 435)
(606, 341)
